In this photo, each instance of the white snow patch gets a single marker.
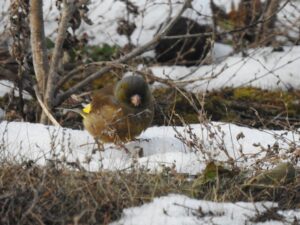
(178, 209)
(262, 68)
(106, 13)
(7, 87)
(25, 141)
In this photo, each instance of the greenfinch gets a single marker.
(119, 113)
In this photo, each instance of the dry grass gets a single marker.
(33, 195)
(230, 188)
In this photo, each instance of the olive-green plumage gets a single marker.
(120, 112)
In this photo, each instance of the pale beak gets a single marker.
(136, 100)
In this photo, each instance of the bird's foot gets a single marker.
(136, 152)
(121, 146)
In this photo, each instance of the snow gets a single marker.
(43, 144)
(153, 13)
(178, 209)
(168, 146)
(7, 86)
(262, 68)
(160, 146)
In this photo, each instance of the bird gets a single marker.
(118, 113)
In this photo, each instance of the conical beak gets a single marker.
(136, 100)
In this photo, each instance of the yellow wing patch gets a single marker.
(87, 109)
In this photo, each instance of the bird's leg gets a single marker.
(121, 145)
(100, 148)
(137, 152)
(100, 145)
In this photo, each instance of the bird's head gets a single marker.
(133, 91)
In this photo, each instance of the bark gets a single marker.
(38, 46)
(68, 10)
(47, 76)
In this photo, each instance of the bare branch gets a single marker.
(267, 21)
(125, 58)
(44, 107)
(150, 76)
(68, 9)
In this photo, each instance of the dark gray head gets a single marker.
(133, 90)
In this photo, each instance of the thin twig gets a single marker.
(44, 107)
(237, 30)
(60, 98)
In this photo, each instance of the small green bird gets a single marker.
(119, 112)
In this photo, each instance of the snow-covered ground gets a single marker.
(179, 209)
(262, 68)
(24, 141)
(106, 13)
(165, 146)
(161, 148)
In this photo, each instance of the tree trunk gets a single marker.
(38, 46)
